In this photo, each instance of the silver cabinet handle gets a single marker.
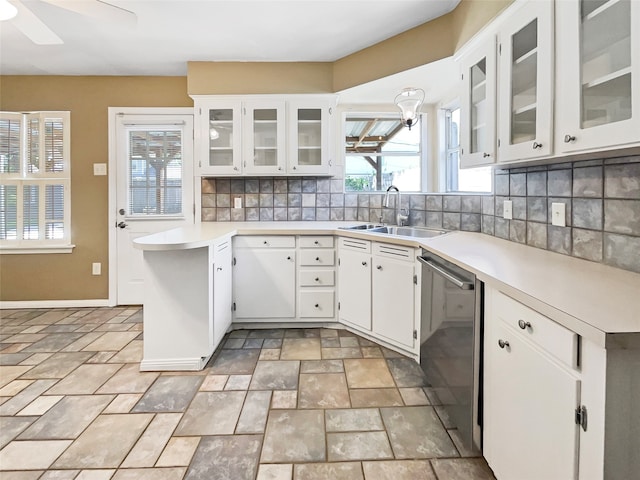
(524, 325)
(317, 259)
(459, 282)
(485, 155)
(288, 258)
(265, 243)
(121, 225)
(317, 305)
(316, 242)
(503, 343)
(569, 138)
(364, 264)
(379, 267)
(536, 145)
(317, 279)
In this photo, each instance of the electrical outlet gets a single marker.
(99, 168)
(237, 202)
(558, 214)
(507, 211)
(96, 269)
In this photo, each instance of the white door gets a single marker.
(354, 288)
(154, 189)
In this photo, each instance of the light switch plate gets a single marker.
(558, 214)
(99, 168)
(237, 202)
(507, 211)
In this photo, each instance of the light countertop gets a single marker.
(597, 301)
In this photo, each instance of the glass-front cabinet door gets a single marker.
(220, 138)
(309, 124)
(598, 82)
(478, 113)
(264, 137)
(526, 79)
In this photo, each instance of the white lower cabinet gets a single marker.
(377, 290)
(316, 278)
(354, 282)
(393, 293)
(220, 304)
(264, 278)
(556, 405)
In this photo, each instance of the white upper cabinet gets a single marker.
(264, 137)
(309, 138)
(478, 113)
(264, 134)
(525, 102)
(598, 81)
(218, 140)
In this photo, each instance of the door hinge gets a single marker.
(499, 49)
(462, 151)
(415, 334)
(234, 261)
(338, 305)
(199, 111)
(415, 279)
(233, 307)
(581, 416)
(498, 142)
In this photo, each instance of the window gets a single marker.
(381, 152)
(461, 179)
(35, 182)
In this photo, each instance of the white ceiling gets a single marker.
(169, 33)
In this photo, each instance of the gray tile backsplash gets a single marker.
(602, 201)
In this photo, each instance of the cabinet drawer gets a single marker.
(324, 241)
(355, 244)
(265, 241)
(317, 278)
(399, 252)
(314, 303)
(324, 258)
(552, 337)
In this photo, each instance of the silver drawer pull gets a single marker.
(317, 279)
(316, 242)
(364, 264)
(503, 343)
(524, 325)
(379, 267)
(317, 305)
(317, 259)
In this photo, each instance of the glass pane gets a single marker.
(265, 137)
(605, 62)
(478, 105)
(155, 172)
(54, 212)
(54, 145)
(30, 211)
(310, 136)
(8, 212)
(377, 173)
(524, 68)
(221, 137)
(33, 145)
(10, 145)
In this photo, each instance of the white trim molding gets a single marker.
(19, 304)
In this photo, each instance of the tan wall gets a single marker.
(68, 276)
(470, 16)
(229, 78)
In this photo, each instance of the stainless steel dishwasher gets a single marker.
(451, 331)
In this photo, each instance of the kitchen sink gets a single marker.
(409, 231)
(421, 232)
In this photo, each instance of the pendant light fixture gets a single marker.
(409, 102)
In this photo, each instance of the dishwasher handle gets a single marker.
(458, 282)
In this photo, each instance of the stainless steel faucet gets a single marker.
(401, 215)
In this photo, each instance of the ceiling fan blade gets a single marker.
(97, 9)
(32, 26)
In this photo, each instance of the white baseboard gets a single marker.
(5, 305)
(173, 364)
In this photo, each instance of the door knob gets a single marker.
(536, 145)
(121, 225)
(122, 211)
(503, 343)
(569, 138)
(485, 155)
(379, 267)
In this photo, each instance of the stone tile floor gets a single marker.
(304, 404)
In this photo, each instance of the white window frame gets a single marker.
(382, 113)
(41, 178)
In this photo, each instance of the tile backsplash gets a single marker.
(602, 205)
